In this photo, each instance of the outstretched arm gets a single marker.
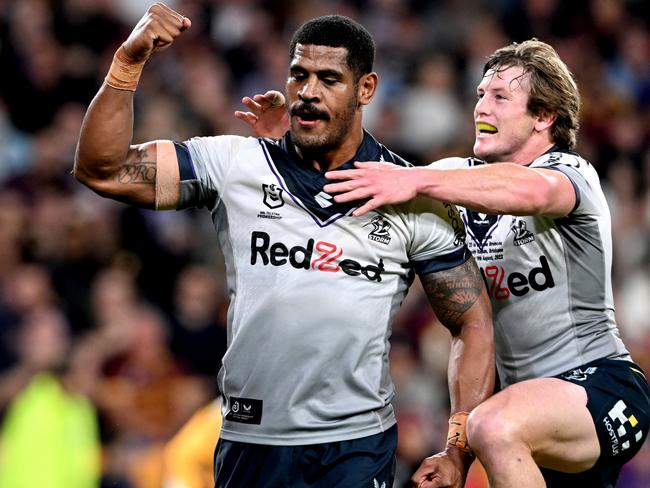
(105, 160)
(495, 188)
(460, 302)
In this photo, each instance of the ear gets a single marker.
(545, 120)
(367, 86)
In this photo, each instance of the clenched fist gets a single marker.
(155, 31)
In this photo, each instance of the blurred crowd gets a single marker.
(112, 319)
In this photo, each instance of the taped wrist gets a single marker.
(457, 435)
(124, 73)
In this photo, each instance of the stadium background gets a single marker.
(126, 307)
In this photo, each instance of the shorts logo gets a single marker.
(380, 229)
(522, 235)
(376, 484)
(579, 374)
(272, 196)
(617, 415)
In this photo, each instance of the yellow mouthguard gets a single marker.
(482, 126)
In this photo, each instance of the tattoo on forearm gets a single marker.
(137, 170)
(453, 292)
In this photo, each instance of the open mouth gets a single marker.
(308, 116)
(485, 128)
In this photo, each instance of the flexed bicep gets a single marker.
(147, 177)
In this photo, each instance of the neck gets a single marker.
(331, 158)
(529, 152)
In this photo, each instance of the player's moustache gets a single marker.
(307, 111)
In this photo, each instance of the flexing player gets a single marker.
(307, 395)
(573, 403)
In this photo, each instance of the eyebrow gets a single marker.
(492, 89)
(321, 73)
(324, 73)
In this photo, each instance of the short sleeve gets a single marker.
(438, 236)
(583, 177)
(204, 164)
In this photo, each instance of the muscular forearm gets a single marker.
(498, 188)
(471, 366)
(459, 299)
(106, 135)
(470, 376)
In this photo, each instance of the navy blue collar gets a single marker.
(304, 183)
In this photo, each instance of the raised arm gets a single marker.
(460, 302)
(105, 160)
(495, 188)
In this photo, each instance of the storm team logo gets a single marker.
(272, 196)
(380, 230)
(522, 235)
(579, 374)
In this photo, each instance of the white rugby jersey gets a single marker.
(548, 279)
(313, 290)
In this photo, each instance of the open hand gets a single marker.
(267, 114)
(381, 183)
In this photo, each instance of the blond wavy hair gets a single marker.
(552, 86)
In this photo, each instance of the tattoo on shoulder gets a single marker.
(452, 292)
(137, 169)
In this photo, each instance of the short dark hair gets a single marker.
(552, 87)
(339, 31)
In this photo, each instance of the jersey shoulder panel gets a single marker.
(583, 176)
(437, 234)
(205, 163)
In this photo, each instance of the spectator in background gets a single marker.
(430, 114)
(50, 417)
(198, 335)
(189, 455)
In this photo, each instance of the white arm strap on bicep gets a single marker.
(167, 176)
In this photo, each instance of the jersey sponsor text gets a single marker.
(518, 284)
(327, 257)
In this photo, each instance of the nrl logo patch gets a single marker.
(380, 230)
(272, 196)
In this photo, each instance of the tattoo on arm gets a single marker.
(452, 292)
(137, 170)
